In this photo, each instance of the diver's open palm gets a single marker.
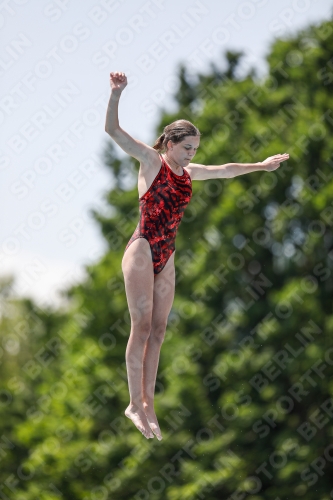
(273, 162)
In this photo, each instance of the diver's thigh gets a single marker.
(137, 268)
(164, 292)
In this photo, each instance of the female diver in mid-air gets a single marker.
(165, 189)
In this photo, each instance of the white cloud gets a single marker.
(41, 278)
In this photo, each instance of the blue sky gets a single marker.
(55, 60)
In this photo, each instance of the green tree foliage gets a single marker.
(244, 393)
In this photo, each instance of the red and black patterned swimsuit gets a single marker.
(161, 210)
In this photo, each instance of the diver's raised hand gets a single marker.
(118, 82)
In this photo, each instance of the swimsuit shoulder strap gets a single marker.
(161, 158)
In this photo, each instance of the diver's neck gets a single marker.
(175, 166)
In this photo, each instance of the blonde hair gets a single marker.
(175, 131)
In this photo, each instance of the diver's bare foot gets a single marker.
(139, 419)
(152, 420)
